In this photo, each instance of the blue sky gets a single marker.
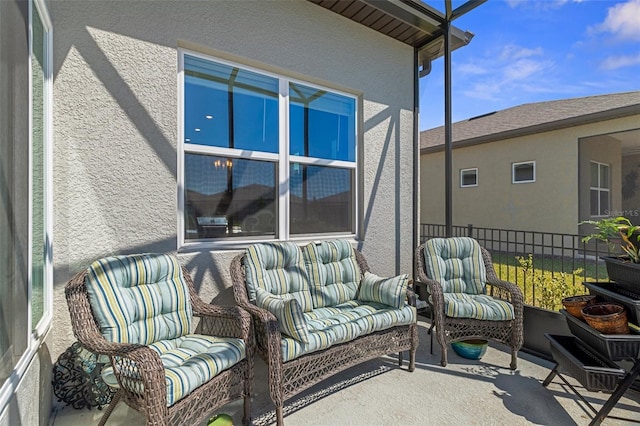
(528, 51)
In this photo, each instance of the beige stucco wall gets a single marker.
(551, 204)
(116, 121)
(607, 150)
(631, 188)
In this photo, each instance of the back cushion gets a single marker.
(278, 268)
(333, 272)
(456, 263)
(139, 298)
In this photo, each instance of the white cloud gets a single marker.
(511, 69)
(615, 62)
(623, 21)
(472, 69)
(512, 51)
(539, 4)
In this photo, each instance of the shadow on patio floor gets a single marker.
(377, 392)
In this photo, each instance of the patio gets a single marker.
(377, 392)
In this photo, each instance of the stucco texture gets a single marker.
(116, 124)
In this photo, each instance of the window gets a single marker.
(264, 156)
(25, 269)
(468, 177)
(524, 172)
(600, 187)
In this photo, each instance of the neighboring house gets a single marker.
(538, 167)
(195, 128)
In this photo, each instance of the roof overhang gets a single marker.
(412, 22)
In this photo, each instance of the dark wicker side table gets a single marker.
(77, 380)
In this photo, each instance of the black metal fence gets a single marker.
(546, 265)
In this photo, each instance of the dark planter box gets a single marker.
(623, 272)
(537, 322)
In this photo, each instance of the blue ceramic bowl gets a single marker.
(470, 349)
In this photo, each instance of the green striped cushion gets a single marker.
(288, 312)
(456, 263)
(293, 348)
(279, 269)
(477, 306)
(139, 298)
(333, 272)
(190, 361)
(389, 291)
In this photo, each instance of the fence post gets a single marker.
(470, 230)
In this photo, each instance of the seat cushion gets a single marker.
(333, 325)
(477, 306)
(139, 298)
(457, 264)
(190, 361)
(291, 320)
(333, 271)
(388, 291)
(279, 269)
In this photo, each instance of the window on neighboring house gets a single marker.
(600, 189)
(468, 177)
(523, 172)
(246, 175)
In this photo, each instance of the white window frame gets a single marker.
(513, 172)
(38, 331)
(599, 188)
(462, 172)
(283, 159)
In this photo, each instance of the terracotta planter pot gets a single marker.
(607, 318)
(574, 304)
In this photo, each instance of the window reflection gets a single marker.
(321, 199)
(229, 107)
(322, 124)
(227, 197)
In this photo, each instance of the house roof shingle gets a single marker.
(533, 118)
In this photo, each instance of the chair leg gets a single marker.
(514, 359)
(279, 416)
(110, 407)
(412, 360)
(246, 420)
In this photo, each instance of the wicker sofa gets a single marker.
(318, 310)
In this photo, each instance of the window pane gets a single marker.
(595, 180)
(229, 107)
(469, 178)
(14, 204)
(595, 203)
(37, 186)
(523, 172)
(229, 197)
(321, 199)
(322, 124)
(604, 202)
(604, 176)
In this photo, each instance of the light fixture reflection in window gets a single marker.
(223, 164)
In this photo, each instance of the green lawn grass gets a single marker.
(545, 280)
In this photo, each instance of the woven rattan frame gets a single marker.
(139, 367)
(450, 329)
(287, 379)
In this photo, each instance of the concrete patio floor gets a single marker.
(484, 392)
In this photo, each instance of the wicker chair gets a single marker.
(287, 379)
(453, 329)
(142, 379)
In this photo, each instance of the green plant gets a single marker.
(551, 287)
(611, 229)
